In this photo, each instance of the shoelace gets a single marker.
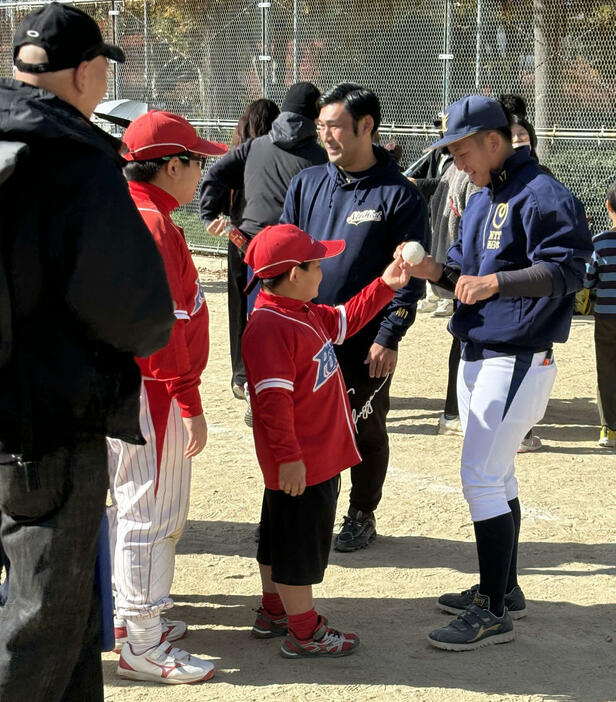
(332, 636)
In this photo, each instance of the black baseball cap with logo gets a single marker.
(68, 35)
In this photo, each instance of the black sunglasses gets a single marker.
(186, 158)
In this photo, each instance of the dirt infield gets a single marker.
(564, 650)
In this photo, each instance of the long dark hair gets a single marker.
(255, 122)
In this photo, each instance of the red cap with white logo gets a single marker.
(279, 247)
(158, 134)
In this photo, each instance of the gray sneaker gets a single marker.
(457, 602)
(358, 531)
(474, 628)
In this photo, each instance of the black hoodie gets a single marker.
(263, 168)
(88, 287)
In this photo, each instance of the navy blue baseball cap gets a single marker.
(471, 114)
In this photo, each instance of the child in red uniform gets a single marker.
(303, 426)
(150, 483)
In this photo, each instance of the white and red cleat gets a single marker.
(163, 664)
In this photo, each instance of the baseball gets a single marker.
(413, 252)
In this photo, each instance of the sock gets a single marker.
(512, 581)
(272, 603)
(303, 625)
(494, 546)
(143, 633)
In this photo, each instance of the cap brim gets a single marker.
(327, 249)
(445, 141)
(209, 148)
(113, 52)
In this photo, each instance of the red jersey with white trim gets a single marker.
(300, 406)
(180, 364)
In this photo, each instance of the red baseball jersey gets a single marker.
(299, 400)
(181, 363)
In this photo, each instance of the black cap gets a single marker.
(68, 35)
(301, 98)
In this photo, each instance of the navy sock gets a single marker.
(512, 581)
(494, 546)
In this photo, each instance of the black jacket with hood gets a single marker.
(263, 167)
(87, 284)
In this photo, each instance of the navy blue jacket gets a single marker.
(524, 217)
(373, 212)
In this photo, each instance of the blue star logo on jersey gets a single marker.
(199, 298)
(326, 364)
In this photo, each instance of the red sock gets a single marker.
(303, 625)
(272, 603)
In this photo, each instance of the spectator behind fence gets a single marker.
(88, 291)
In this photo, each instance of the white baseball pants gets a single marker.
(499, 400)
(150, 494)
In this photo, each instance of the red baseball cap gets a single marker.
(279, 247)
(158, 134)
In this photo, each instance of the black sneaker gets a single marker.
(474, 628)
(358, 530)
(457, 602)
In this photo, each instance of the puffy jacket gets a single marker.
(524, 217)
(88, 287)
(263, 167)
(373, 212)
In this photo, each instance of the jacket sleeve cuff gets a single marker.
(190, 403)
(387, 339)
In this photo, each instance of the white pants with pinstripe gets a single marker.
(499, 400)
(150, 494)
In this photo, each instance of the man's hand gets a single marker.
(382, 361)
(428, 269)
(218, 226)
(472, 288)
(398, 272)
(196, 428)
(292, 478)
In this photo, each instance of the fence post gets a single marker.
(295, 33)
(265, 57)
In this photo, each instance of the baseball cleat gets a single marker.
(266, 626)
(325, 642)
(475, 628)
(163, 664)
(457, 602)
(532, 443)
(358, 531)
(607, 438)
(452, 426)
(173, 630)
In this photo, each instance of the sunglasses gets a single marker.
(201, 160)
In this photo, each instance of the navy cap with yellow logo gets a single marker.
(471, 114)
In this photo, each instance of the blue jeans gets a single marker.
(50, 624)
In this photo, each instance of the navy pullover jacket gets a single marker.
(373, 212)
(523, 217)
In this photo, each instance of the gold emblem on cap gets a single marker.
(444, 119)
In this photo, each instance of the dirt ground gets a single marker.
(564, 650)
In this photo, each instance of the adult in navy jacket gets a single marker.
(360, 196)
(518, 261)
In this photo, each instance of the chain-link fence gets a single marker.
(207, 59)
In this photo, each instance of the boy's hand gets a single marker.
(292, 478)
(398, 272)
(196, 427)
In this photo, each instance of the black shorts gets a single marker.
(296, 532)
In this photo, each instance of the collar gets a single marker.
(500, 178)
(288, 303)
(162, 200)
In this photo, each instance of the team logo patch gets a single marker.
(500, 216)
(361, 216)
(326, 364)
(199, 298)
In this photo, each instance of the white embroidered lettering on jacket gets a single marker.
(360, 216)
